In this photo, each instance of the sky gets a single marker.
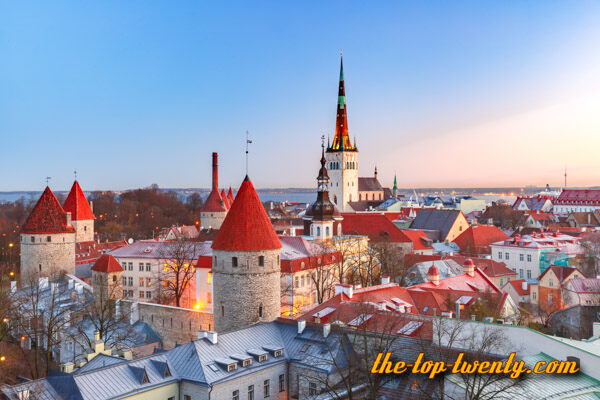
(443, 94)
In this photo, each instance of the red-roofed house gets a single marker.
(476, 240)
(82, 216)
(519, 290)
(577, 200)
(550, 284)
(581, 292)
(47, 239)
(106, 279)
(421, 244)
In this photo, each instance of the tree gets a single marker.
(177, 273)
(365, 270)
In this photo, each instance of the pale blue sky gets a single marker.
(443, 93)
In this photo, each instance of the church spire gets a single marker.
(395, 189)
(341, 140)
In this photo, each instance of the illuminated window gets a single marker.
(141, 281)
(148, 282)
(209, 278)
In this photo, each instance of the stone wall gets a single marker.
(574, 322)
(243, 293)
(174, 325)
(212, 220)
(84, 230)
(45, 258)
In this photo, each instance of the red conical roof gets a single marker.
(225, 199)
(107, 263)
(47, 216)
(214, 202)
(77, 204)
(230, 196)
(247, 226)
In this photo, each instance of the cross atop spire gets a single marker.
(341, 140)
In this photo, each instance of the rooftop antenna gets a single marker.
(565, 176)
(248, 141)
(48, 180)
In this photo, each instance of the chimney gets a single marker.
(212, 336)
(301, 326)
(433, 275)
(348, 290)
(215, 171)
(201, 334)
(96, 336)
(469, 267)
(524, 285)
(13, 286)
(68, 367)
(381, 306)
(326, 330)
(385, 280)
(92, 205)
(69, 223)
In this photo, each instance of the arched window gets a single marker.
(318, 231)
(260, 311)
(326, 231)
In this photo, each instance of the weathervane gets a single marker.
(48, 180)
(248, 141)
(75, 173)
(323, 141)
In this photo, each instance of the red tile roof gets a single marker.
(107, 263)
(560, 272)
(88, 252)
(477, 239)
(214, 202)
(419, 239)
(375, 225)
(47, 216)
(247, 226)
(579, 196)
(77, 204)
(225, 199)
(491, 268)
(517, 284)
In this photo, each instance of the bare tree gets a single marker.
(177, 272)
(365, 270)
(391, 259)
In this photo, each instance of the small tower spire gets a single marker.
(341, 140)
(395, 189)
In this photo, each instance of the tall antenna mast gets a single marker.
(565, 176)
(248, 141)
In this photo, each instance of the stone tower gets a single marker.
(82, 216)
(322, 220)
(246, 265)
(342, 156)
(107, 275)
(215, 208)
(47, 240)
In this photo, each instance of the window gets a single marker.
(147, 267)
(501, 282)
(234, 261)
(231, 367)
(261, 261)
(277, 353)
(247, 362)
(262, 357)
(124, 266)
(209, 278)
(209, 297)
(148, 282)
(235, 395)
(251, 392)
(114, 278)
(130, 280)
(312, 389)
(48, 238)
(267, 387)
(141, 282)
(260, 311)
(521, 273)
(131, 266)
(528, 257)
(148, 295)
(223, 311)
(124, 281)
(500, 255)
(141, 294)
(549, 298)
(528, 274)
(141, 267)
(318, 231)
(281, 383)
(326, 231)
(32, 239)
(124, 293)
(521, 257)
(297, 282)
(534, 295)
(302, 281)
(187, 397)
(130, 293)
(506, 256)
(551, 283)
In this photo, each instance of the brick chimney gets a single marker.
(215, 171)
(433, 275)
(469, 267)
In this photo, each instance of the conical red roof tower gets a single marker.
(230, 196)
(247, 226)
(225, 199)
(47, 216)
(77, 204)
(214, 202)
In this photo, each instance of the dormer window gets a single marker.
(231, 367)
(247, 362)
(277, 353)
(262, 357)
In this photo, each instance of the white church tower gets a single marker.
(342, 157)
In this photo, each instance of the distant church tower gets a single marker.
(342, 156)
(246, 265)
(322, 220)
(82, 216)
(47, 240)
(215, 207)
